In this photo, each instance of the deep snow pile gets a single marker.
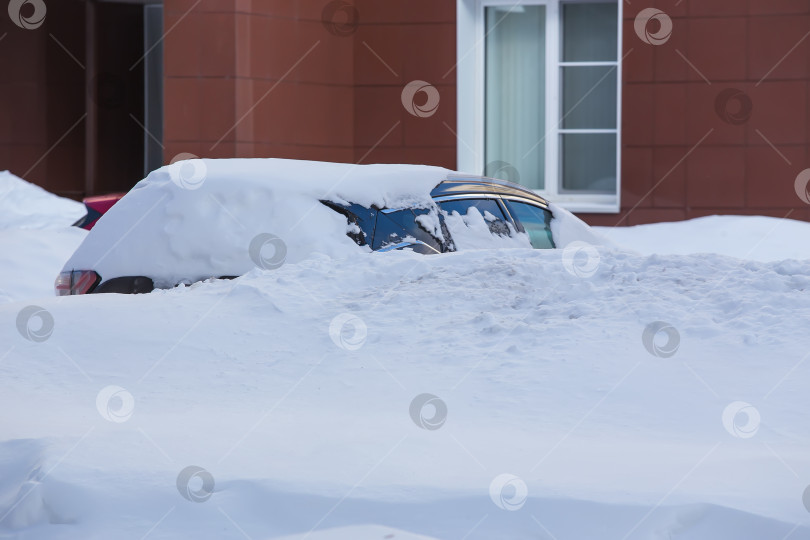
(298, 392)
(758, 238)
(26, 206)
(35, 237)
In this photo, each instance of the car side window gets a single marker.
(488, 208)
(534, 221)
(423, 224)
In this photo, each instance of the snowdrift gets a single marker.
(35, 237)
(293, 388)
(758, 238)
(26, 206)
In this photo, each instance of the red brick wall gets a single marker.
(668, 108)
(397, 42)
(42, 96)
(295, 87)
(256, 79)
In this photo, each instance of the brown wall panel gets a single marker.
(42, 90)
(712, 153)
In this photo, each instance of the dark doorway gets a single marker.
(125, 87)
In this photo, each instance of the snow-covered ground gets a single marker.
(757, 238)
(486, 394)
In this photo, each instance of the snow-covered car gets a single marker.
(200, 219)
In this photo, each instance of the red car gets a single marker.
(96, 207)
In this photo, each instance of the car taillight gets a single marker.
(76, 282)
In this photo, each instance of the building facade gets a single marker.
(625, 113)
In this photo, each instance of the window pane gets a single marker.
(515, 90)
(394, 227)
(488, 208)
(589, 162)
(589, 97)
(535, 221)
(589, 32)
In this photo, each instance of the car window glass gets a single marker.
(360, 220)
(535, 221)
(488, 208)
(422, 224)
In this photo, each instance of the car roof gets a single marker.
(464, 184)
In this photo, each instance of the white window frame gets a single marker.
(470, 42)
